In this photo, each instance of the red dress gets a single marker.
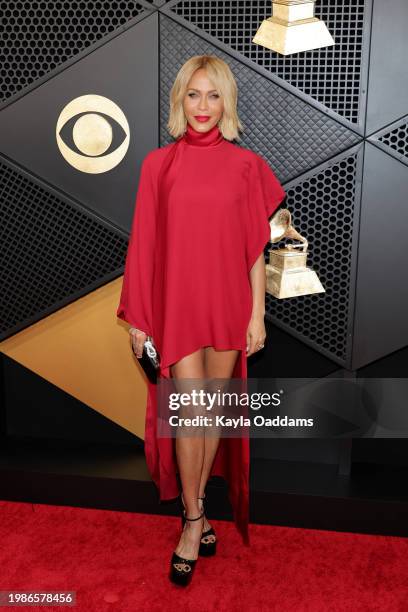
(200, 223)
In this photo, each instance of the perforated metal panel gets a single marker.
(331, 75)
(50, 250)
(36, 37)
(394, 139)
(322, 207)
(288, 132)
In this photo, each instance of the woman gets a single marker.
(195, 281)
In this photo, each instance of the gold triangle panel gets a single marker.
(84, 349)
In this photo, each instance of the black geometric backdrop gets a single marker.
(311, 115)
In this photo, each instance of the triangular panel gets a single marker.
(51, 250)
(32, 47)
(394, 139)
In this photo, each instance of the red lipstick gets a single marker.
(201, 118)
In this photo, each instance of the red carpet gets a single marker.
(119, 561)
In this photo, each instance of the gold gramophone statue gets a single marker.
(286, 273)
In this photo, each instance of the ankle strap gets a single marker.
(192, 519)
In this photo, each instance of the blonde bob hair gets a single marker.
(220, 74)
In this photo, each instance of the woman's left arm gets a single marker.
(256, 333)
(265, 194)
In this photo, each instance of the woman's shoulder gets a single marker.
(156, 156)
(247, 155)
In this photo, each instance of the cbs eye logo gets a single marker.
(87, 122)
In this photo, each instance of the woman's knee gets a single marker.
(187, 375)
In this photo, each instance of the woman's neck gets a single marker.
(210, 138)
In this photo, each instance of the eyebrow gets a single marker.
(193, 89)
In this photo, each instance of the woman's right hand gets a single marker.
(138, 338)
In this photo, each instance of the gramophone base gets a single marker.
(293, 37)
(292, 283)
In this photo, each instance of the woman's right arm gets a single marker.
(135, 305)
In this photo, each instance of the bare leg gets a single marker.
(218, 364)
(190, 457)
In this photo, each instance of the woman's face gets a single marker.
(202, 101)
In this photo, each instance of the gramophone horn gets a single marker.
(279, 224)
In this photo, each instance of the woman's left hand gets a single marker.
(256, 335)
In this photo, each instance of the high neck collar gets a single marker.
(203, 139)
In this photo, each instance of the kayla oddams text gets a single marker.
(234, 423)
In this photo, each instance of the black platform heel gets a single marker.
(208, 542)
(181, 569)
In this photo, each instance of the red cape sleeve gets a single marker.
(135, 305)
(265, 193)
